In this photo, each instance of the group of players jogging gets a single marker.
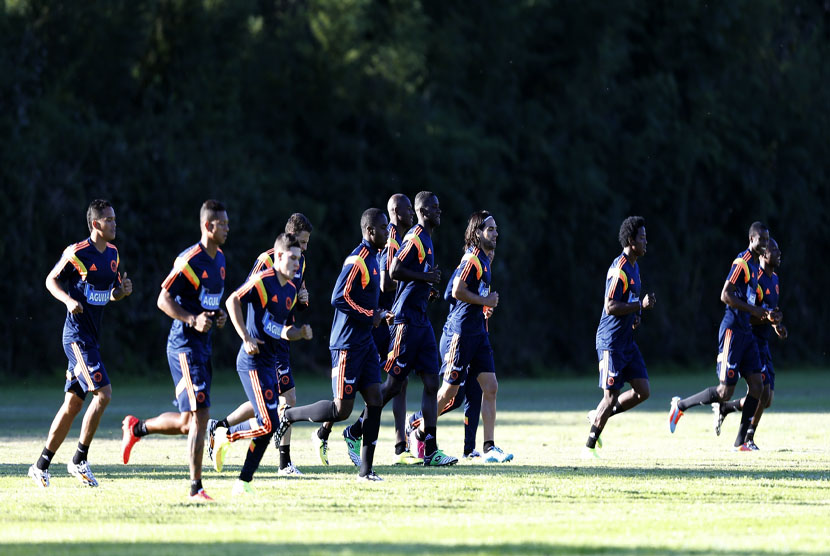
(380, 301)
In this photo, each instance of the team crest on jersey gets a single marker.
(288, 303)
(113, 266)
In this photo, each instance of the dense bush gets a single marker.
(560, 117)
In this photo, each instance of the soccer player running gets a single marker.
(190, 295)
(737, 349)
(412, 347)
(466, 353)
(762, 330)
(85, 279)
(300, 227)
(401, 215)
(354, 357)
(620, 360)
(268, 298)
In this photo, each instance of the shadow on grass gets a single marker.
(184, 549)
(508, 470)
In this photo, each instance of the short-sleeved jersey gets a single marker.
(90, 277)
(385, 257)
(411, 296)
(268, 307)
(474, 270)
(354, 298)
(197, 283)
(622, 283)
(744, 274)
(768, 299)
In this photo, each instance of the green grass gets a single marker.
(653, 492)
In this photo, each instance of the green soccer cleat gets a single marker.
(406, 458)
(590, 453)
(220, 454)
(322, 448)
(439, 459)
(353, 447)
(496, 455)
(242, 489)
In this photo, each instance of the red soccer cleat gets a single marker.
(200, 496)
(128, 439)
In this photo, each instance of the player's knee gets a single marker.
(103, 397)
(643, 393)
(289, 397)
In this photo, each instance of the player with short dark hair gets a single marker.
(412, 347)
(466, 353)
(268, 298)
(401, 214)
(768, 291)
(85, 279)
(300, 228)
(737, 350)
(354, 357)
(620, 360)
(191, 295)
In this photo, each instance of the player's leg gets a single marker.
(368, 380)
(391, 387)
(755, 387)
(763, 404)
(490, 387)
(73, 402)
(472, 413)
(611, 381)
(243, 412)
(287, 398)
(196, 447)
(399, 414)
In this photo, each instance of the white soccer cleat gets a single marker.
(290, 471)
(83, 473)
(40, 477)
(496, 455)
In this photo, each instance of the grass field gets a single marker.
(652, 493)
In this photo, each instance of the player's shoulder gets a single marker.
(77, 247)
(190, 253)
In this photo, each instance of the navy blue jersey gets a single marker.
(385, 262)
(264, 261)
(768, 299)
(268, 307)
(622, 283)
(354, 298)
(197, 283)
(91, 277)
(474, 270)
(744, 274)
(412, 296)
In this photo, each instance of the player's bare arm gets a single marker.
(399, 272)
(620, 308)
(201, 322)
(122, 291)
(250, 343)
(54, 287)
(461, 292)
(729, 297)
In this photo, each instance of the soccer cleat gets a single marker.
(406, 458)
(352, 447)
(282, 428)
(439, 459)
(289, 471)
(591, 415)
(211, 431)
(475, 454)
(323, 447)
(718, 416)
(674, 413)
(242, 488)
(200, 496)
(589, 453)
(39, 476)
(496, 455)
(415, 445)
(82, 472)
(128, 438)
(220, 454)
(745, 447)
(370, 478)
(751, 445)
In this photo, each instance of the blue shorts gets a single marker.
(261, 389)
(616, 367)
(411, 349)
(192, 379)
(354, 369)
(766, 366)
(737, 355)
(86, 372)
(381, 337)
(465, 355)
(283, 376)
